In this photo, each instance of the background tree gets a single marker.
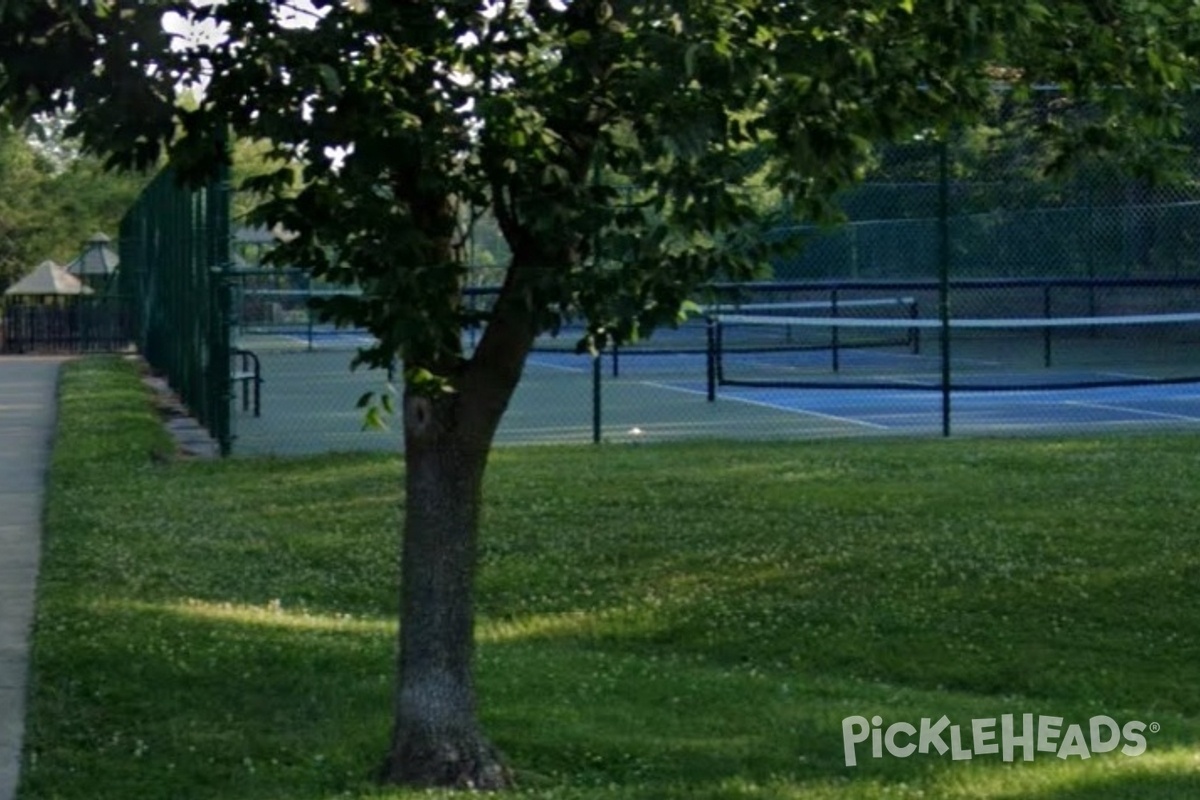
(390, 119)
(52, 199)
(19, 175)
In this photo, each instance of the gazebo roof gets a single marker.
(48, 279)
(97, 258)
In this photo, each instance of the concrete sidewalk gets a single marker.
(28, 387)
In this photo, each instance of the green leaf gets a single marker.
(374, 420)
(689, 308)
(422, 381)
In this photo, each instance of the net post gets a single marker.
(1047, 312)
(914, 313)
(308, 309)
(616, 360)
(834, 338)
(596, 378)
(719, 353)
(710, 362)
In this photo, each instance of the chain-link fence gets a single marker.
(969, 288)
(175, 247)
(1041, 274)
(1012, 212)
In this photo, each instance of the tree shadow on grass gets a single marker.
(227, 702)
(1142, 786)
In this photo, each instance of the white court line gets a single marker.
(319, 339)
(772, 406)
(960, 323)
(927, 382)
(1127, 410)
(1125, 375)
(537, 362)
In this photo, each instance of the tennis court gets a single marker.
(310, 394)
(309, 406)
(1038, 411)
(832, 410)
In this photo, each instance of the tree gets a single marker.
(18, 174)
(49, 205)
(400, 115)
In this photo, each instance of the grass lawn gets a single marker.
(655, 622)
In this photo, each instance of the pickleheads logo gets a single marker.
(1027, 735)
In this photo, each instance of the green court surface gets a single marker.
(309, 406)
(309, 394)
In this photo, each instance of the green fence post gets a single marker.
(308, 308)
(217, 272)
(710, 361)
(944, 275)
(597, 372)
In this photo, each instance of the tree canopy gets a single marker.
(584, 128)
(52, 200)
(537, 110)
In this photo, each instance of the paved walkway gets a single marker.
(27, 413)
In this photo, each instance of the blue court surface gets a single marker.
(664, 394)
(1043, 409)
(892, 410)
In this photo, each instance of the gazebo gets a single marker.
(47, 281)
(42, 313)
(97, 263)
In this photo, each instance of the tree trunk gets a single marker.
(437, 739)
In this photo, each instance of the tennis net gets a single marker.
(791, 327)
(680, 351)
(275, 318)
(969, 354)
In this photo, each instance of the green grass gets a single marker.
(688, 621)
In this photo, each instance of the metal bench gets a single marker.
(247, 373)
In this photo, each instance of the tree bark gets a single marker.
(437, 739)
